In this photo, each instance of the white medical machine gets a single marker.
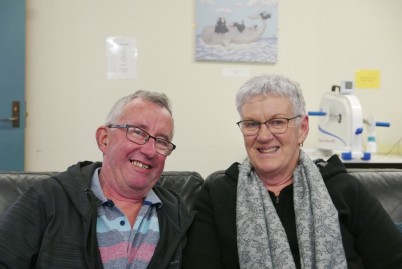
(341, 124)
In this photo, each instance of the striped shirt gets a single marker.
(120, 245)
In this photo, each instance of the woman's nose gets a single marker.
(264, 132)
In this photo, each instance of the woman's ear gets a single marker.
(304, 129)
(102, 138)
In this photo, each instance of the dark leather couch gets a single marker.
(385, 184)
(12, 184)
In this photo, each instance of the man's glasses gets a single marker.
(140, 137)
(275, 126)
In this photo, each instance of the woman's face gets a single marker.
(274, 156)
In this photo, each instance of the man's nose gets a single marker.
(148, 147)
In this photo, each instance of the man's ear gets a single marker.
(102, 138)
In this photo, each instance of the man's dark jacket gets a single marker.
(53, 225)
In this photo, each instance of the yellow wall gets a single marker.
(68, 96)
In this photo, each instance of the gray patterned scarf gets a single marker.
(261, 238)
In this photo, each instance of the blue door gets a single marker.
(12, 84)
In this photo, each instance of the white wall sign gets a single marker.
(121, 58)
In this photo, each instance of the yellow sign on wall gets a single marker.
(367, 79)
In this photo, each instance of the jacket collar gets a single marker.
(331, 167)
(76, 182)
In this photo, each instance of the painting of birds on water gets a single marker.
(242, 31)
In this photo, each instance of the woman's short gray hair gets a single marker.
(271, 84)
(155, 97)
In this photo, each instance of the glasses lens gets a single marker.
(249, 127)
(137, 135)
(163, 146)
(277, 126)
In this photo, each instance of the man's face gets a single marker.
(129, 168)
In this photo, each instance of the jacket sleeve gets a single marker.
(212, 239)
(203, 247)
(20, 232)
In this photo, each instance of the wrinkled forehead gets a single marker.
(266, 101)
(148, 116)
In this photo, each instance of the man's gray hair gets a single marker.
(155, 97)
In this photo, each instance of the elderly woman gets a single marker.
(279, 209)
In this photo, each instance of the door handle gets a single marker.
(9, 119)
(15, 115)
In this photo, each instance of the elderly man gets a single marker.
(105, 215)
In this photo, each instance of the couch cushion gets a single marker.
(386, 185)
(12, 184)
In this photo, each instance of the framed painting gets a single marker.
(236, 31)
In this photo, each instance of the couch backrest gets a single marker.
(185, 183)
(12, 184)
(386, 185)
